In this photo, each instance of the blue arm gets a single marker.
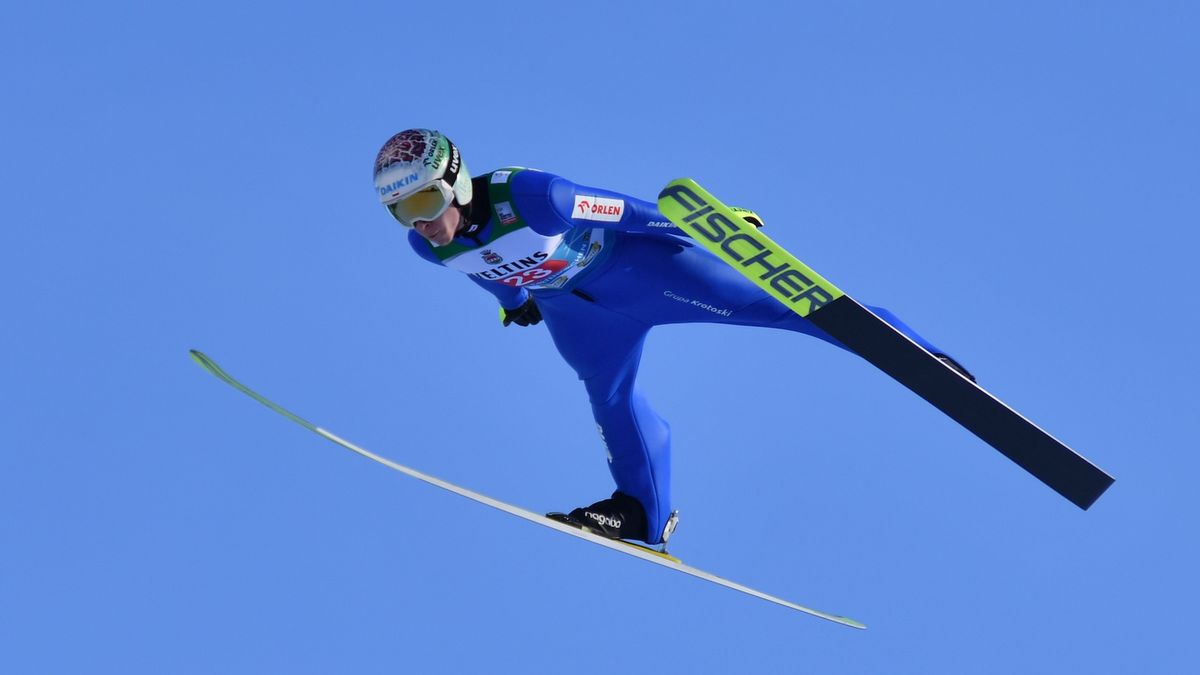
(552, 204)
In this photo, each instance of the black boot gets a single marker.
(618, 517)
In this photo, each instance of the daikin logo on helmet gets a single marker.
(392, 188)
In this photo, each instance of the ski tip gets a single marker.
(211, 366)
(205, 362)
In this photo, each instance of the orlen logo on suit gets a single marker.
(605, 209)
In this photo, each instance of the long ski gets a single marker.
(641, 552)
(791, 282)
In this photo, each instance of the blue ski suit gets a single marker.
(603, 269)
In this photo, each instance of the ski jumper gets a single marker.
(603, 269)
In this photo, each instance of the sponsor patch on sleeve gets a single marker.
(500, 176)
(604, 209)
(504, 211)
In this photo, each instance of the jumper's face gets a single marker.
(440, 231)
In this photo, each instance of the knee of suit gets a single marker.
(632, 429)
(609, 389)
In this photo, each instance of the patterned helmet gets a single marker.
(420, 161)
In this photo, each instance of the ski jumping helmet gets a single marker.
(419, 173)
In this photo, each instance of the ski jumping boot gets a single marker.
(618, 517)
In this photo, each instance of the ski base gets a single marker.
(621, 546)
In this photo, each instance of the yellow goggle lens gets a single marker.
(424, 204)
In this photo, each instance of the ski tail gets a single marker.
(798, 287)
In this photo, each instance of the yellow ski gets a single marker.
(741, 245)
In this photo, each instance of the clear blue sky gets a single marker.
(1017, 180)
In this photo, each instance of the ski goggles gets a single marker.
(426, 203)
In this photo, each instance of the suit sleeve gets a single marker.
(552, 205)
